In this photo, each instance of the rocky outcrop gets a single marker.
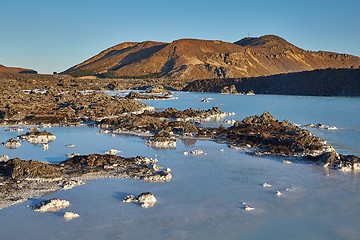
(162, 139)
(70, 216)
(4, 158)
(163, 126)
(108, 165)
(145, 200)
(63, 102)
(157, 92)
(192, 114)
(36, 137)
(22, 179)
(229, 89)
(157, 89)
(161, 142)
(52, 205)
(29, 170)
(12, 143)
(195, 152)
(112, 152)
(320, 126)
(267, 135)
(344, 163)
(261, 134)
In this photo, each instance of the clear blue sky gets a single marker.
(53, 35)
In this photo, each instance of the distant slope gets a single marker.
(324, 82)
(201, 59)
(4, 69)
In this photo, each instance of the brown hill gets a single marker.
(201, 59)
(4, 69)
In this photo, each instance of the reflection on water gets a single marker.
(188, 141)
(205, 198)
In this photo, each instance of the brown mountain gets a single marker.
(4, 69)
(201, 59)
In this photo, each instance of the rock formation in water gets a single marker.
(70, 216)
(52, 205)
(146, 199)
(12, 143)
(36, 137)
(261, 134)
(23, 179)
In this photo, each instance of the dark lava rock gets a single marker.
(277, 138)
(22, 179)
(171, 120)
(229, 89)
(132, 95)
(345, 163)
(19, 169)
(35, 136)
(64, 102)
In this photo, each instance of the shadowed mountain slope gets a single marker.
(324, 82)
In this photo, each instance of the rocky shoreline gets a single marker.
(23, 179)
(58, 103)
(262, 135)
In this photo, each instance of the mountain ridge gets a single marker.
(191, 59)
(5, 69)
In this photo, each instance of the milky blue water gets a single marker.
(204, 199)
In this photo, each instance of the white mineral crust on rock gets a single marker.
(112, 152)
(71, 184)
(70, 215)
(4, 158)
(71, 155)
(147, 200)
(12, 143)
(52, 205)
(194, 152)
(45, 146)
(249, 208)
(265, 185)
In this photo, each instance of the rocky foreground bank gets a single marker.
(64, 100)
(23, 179)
